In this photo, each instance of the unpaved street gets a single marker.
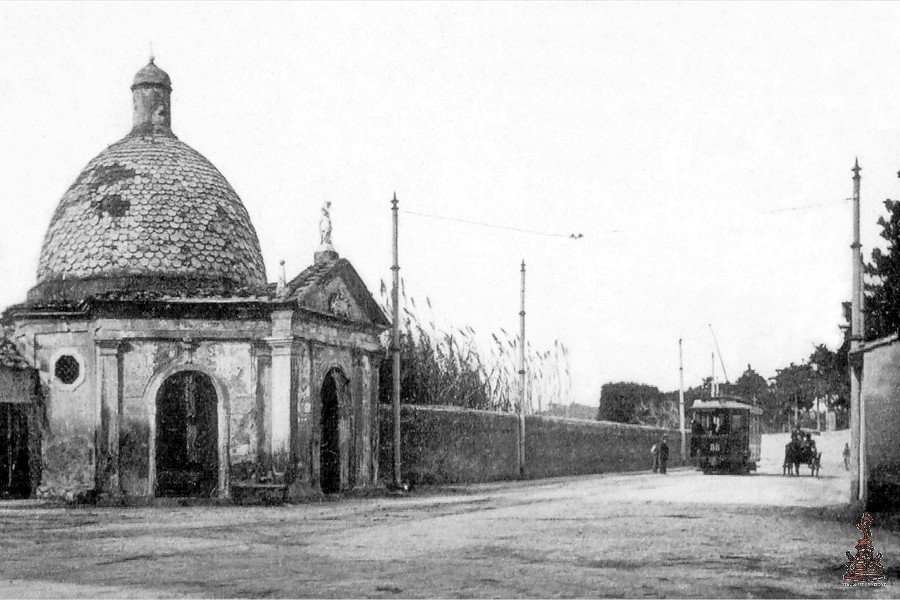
(635, 535)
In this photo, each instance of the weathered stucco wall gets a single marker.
(148, 362)
(446, 445)
(556, 446)
(881, 394)
(268, 376)
(67, 448)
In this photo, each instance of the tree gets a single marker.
(794, 389)
(882, 302)
(621, 402)
(831, 383)
(751, 385)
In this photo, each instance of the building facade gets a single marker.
(874, 425)
(169, 365)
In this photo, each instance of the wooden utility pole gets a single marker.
(395, 348)
(522, 379)
(681, 400)
(857, 405)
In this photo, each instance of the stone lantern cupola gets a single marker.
(152, 90)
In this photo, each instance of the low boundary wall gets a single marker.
(450, 445)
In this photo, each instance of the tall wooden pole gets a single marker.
(522, 379)
(857, 333)
(395, 348)
(681, 401)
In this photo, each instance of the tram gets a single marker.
(725, 435)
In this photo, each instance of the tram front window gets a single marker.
(720, 423)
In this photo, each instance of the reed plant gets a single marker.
(453, 366)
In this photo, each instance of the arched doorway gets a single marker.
(333, 390)
(187, 436)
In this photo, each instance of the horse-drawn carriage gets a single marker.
(802, 450)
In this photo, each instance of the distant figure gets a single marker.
(654, 450)
(805, 444)
(663, 453)
(847, 456)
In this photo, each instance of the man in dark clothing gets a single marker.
(663, 453)
(696, 432)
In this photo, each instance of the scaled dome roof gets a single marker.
(149, 213)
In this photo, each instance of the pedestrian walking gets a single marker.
(654, 450)
(663, 453)
(847, 456)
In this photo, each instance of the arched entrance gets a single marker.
(333, 390)
(187, 458)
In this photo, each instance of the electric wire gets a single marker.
(495, 226)
(577, 236)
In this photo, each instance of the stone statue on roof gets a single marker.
(325, 225)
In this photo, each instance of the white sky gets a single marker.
(675, 137)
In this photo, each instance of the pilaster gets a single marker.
(262, 366)
(109, 361)
(278, 418)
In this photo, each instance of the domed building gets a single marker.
(168, 364)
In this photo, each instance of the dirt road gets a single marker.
(638, 535)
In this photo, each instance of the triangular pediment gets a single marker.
(335, 288)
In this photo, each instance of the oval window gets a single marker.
(67, 369)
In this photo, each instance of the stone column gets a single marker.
(110, 384)
(360, 420)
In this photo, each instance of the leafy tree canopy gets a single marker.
(882, 302)
(621, 402)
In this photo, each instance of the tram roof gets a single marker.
(721, 403)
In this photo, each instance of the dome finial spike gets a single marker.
(152, 56)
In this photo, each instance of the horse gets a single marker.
(792, 452)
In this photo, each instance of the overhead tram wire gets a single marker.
(578, 236)
(804, 207)
(574, 236)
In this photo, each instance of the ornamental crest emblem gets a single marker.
(864, 568)
(339, 305)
